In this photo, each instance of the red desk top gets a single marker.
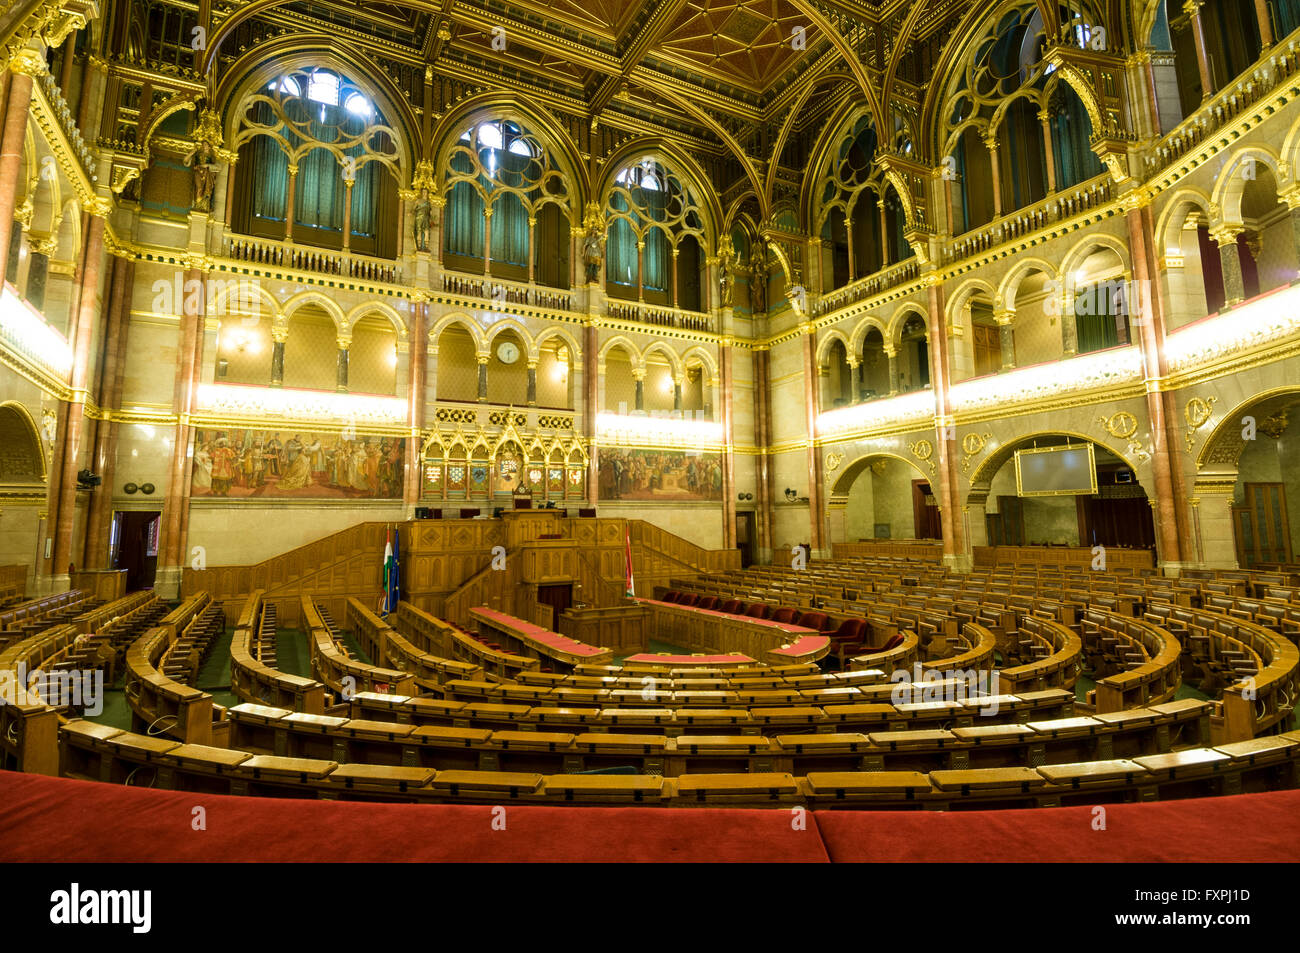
(689, 659)
(804, 645)
(535, 632)
(783, 626)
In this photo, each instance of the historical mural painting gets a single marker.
(275, 464)
(669, 475)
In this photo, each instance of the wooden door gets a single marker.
(1261, 526)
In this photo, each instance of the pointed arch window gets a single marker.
(501, 166)
(654, 237)
(301, 137)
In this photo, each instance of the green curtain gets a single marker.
(1096, 313)
(1286, 17)
(464, 213)
(657, 258)
(1071, 130)
(272, 183)
(509, 230)
(318, 202)
(620, 253)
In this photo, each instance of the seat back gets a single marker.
(815, 620)
(784, 614)
(758, 611)
(707, 602)
(732, 606)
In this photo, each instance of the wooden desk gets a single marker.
(708, 630)
(534, 641)
(621, 628)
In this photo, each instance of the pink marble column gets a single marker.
(99, 520)
(948, 491)
(1173, 534)
(814, 451)
(590, 407)
(418, 360)
(176, 505)
(11, 152)
(763, 440)
(62, 520)
(728, 453)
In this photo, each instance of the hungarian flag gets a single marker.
(627, 541)
(391, 575)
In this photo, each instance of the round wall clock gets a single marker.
(507, 352)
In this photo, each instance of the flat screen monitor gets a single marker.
(1056, 471)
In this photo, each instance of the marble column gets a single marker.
(892, 354)
(1069, 324)
(1292, 200)
(38, 270)
(532, 384)
(1006, 338)
(278, 337)
(848, 232)
(12, 135)
(855, 382)
(677, 395)
(1175, 545)
(62, 517)
(590, 408)
(992, 143)
(763, 440)
(1048, 154)
(728, 452)
(289, 201)
(639, 377)
(99, 520)
(417, 369)
(1234, 285)
(482, 377)
(815, 522)
(1265, 24)
(171, 549)
(1193, 9)
(954, 544)
(341, 384)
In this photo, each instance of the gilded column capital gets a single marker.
(27, 62)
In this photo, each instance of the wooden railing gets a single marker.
(383, 643)
(343, 674)
(163, 704)
(1057, 668)
(255, 682)
(433, 635)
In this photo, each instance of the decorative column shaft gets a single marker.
(992, 144)
(64, 511)
(855, 382)
(848, 232)
(1193, 10)
(1234, 285)
(289, 200)
(1049, 155)
(341, 384)
(482, 377)
(173, 520)
(277, 358)
(417, 371)
(347, 215)
(814, 451)
(1172, 522)
(99, 519)
(1006, 339)
(590, 407)
(12, 135)
(728, 454)
(677, 395)
(532, 385)
(639, 378)
(892, 354)
(954, 543)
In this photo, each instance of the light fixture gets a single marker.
(249, 401)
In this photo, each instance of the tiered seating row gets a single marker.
(254, 680)
(104, 753)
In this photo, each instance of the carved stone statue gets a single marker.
(758, 283)
(593, 253)
(204, 167)
(423, 218)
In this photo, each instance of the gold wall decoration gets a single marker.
(1274, 425)
(833, 461)
(1121, 424)
(923, 450)
(878, 466)
(1197, 413)
(972, 445)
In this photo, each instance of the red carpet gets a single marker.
(45, 819)
(56, 819)
(1237, 829)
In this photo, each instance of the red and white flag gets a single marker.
(631, 586)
